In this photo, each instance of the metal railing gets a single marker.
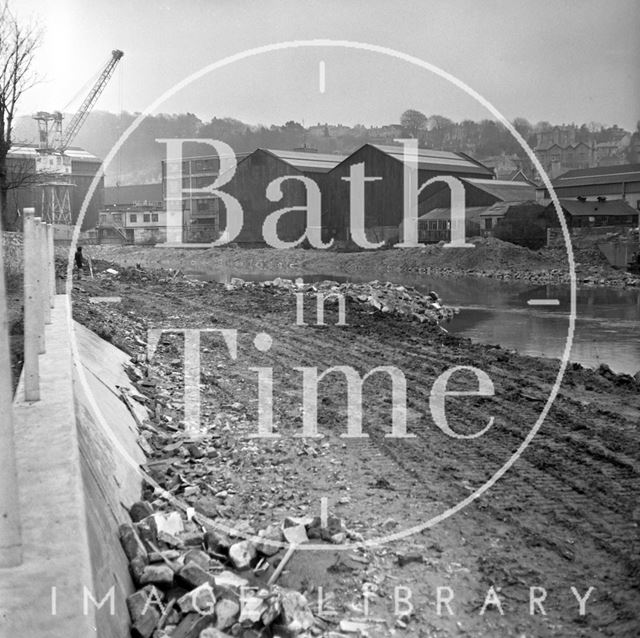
(39, 296)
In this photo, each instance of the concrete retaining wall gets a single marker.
(12, 252)
(74, 488)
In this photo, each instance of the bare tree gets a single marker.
(18, 43)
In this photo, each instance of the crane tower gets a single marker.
(51, 161)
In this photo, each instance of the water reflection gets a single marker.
(496, 312)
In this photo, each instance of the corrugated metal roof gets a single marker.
(614, 207)
(471, 212)
(500, 209)
(74, 152)
(431, 160)
(599, 175)
(504, 190)
(308, 161)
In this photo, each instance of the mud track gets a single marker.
(565, 515)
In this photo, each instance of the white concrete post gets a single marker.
(52, 265)
(44, 267)
(31, 309)
(36, 257)
(10, 537)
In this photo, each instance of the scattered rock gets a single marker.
(227, 612)
(140, 510)
(201, 599)
(410, 557)
(242, 554)
(193, 575)
(160, 574)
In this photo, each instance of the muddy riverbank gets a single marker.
(490, 258)
(565, 515)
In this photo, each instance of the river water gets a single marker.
(497, 312)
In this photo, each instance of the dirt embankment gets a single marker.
(565, 515)
(490, 258)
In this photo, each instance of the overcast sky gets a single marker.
(557, 60)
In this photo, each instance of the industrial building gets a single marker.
(384, 201)
(613, 182)
(22, 160)
(132, 224)
(480, 197)
(582, 213)
(137, 194)
(249, 185)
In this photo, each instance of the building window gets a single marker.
(203, 205)
(146, 218)
(133, 218)
(154, 217)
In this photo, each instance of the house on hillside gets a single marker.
(619, 182)
(384, 198)
(249, 186)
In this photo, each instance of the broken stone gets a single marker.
(147, 531)
(145, 626)
(230, 580)
(131, 543)
(160, 574)
(192, 539)
(252, 609)
(217, 542)
(169, 523)
(211, 632)
(227, 612)
(201, 599)
(207, 506)
(242, 554)
(198, 557)
(144, 599)
(194, 451)
(296, 615)
(193, 575)
(192, 625)
(295, 534)
(167, 554)
(140, 510)
(410, 557)
(136, 567)
(354, 627)
(274, 534)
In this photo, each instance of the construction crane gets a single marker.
(53, 142)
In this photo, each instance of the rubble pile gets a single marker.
(384, 297)
(196, 580)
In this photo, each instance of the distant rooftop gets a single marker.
(307, 161)
(444, 212)
(31, 150)
(432, 160)
(613, 207)
(504, 190)
(599, 175)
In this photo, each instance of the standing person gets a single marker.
(79, 259)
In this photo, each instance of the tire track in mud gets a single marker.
(578, 481)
